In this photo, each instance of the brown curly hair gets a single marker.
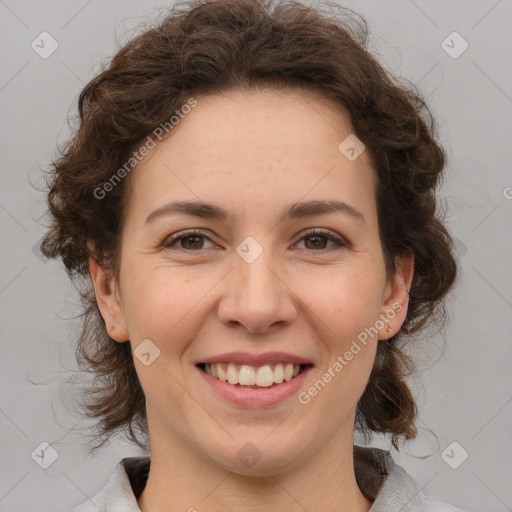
(209, 47)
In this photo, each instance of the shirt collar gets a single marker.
(381, 480)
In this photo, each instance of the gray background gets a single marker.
(465, 397)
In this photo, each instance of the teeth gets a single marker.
(278, 374)
(263, 376)
(220, 371)
(247, 376)
(288, 372)
(232, 374)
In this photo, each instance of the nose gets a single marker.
(257, 296)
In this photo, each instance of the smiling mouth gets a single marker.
(246, 376)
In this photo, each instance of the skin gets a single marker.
(252, 153)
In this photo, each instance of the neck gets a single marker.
(181, 479)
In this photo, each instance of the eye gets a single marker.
(192, 239)
(319, 239)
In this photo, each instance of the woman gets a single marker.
(253, 200)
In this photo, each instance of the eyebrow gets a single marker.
(294, 211)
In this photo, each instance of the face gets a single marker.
(257, 285)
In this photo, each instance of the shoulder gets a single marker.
(403, 492)
(389, 486)
(118, 495)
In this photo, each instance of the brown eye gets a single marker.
(317, 240)
(188, 241)
(193, 241)
(197, 242)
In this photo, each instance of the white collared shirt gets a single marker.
(390, 487)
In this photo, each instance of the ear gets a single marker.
(109, 302)
(396, 297)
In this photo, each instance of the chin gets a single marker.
(258, 457)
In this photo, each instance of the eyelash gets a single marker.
(169, 242)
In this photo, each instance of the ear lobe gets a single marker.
(109, 303)
(396, 297)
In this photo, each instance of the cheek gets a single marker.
(347, 301)
(162, 304)
(348, 306)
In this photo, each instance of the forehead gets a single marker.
(266, 146)
(260, 122)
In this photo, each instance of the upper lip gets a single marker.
(255, 360)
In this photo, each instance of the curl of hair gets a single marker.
(208, 47)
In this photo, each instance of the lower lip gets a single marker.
(254, 398)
